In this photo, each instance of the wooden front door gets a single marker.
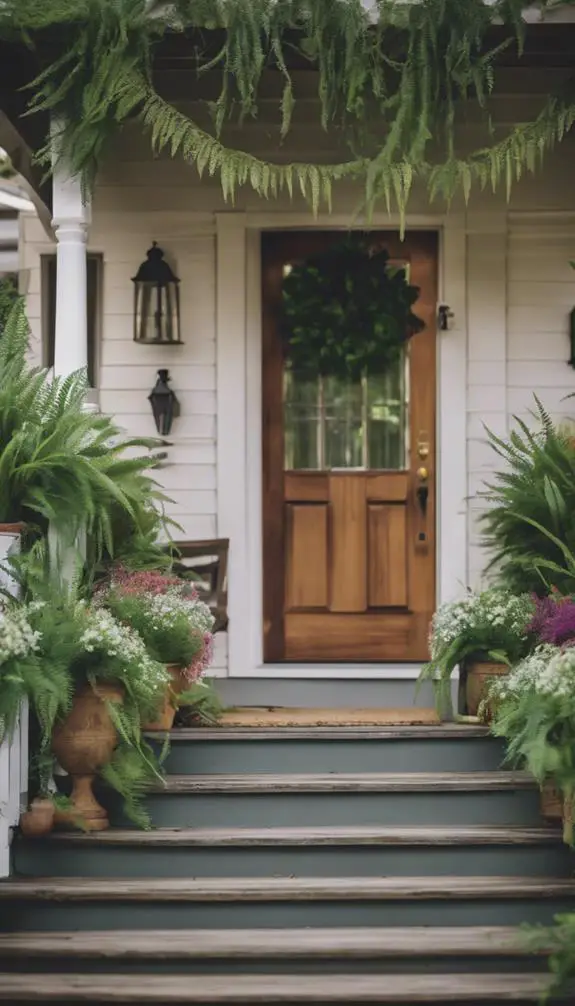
(349, 485)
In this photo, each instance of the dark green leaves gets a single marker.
(345, 313)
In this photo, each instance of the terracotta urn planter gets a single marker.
(166, 715)
(39, 819)
(479, 675)
(83, 744)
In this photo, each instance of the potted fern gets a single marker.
(484, 633)
(528, 526)
(175, 625)
(58, 463)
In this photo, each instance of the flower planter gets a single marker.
(478, 677)
(39, 819)
(178, 684)
(551, 802)
(83, 744)
(16, 528)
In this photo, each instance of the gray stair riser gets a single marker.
(53, 916)
(253, 810)
(473, 754)
(318, 861)
(330, 693)
(289, 965)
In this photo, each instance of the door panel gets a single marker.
(349, 539)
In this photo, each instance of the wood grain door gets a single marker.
(349, 485)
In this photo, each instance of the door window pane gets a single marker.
(332, 423)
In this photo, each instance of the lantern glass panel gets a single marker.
(156, 315)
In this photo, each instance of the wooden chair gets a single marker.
(206, 564)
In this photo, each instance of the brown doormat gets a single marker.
(276, 716)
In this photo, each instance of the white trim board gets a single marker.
(239, 425)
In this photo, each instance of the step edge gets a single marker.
(321, 835)
(438, 732)
(474, 941)
(374, 782)
(279, 988)
(272, 889)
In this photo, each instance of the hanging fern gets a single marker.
(390, 80)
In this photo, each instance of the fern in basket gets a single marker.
(59, 463)
(528, 524)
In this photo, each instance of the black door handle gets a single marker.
(423, 496)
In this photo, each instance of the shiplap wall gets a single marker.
(520, 290)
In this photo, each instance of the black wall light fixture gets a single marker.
(571, 360)
(165, 405)
(156, 301)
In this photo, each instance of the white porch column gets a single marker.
(71, 218)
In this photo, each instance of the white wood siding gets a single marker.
(524, 350)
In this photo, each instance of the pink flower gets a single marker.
(198, 667)
(150, 582)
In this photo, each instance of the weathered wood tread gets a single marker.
(273, 988)
(325, 835)
(364, 782)
(252, 889)
(435, 732)
(176, 944)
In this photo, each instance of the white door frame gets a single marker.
(239, 430)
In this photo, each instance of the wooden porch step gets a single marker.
(274, 889)
(393, 989)
(323, 835)
(340, 733)
(350, 782)
(166, 944)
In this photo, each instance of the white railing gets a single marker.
(14, 749)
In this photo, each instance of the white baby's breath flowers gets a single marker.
(493, 608)
(105, 635)
(17, 637)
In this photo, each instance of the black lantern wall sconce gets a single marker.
(165, 405)
(156, 301)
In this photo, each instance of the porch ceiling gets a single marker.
(23, 135)
(547, 46)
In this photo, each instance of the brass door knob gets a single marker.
(422, 474)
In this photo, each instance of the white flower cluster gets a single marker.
(494, 608)
(166, 610)
(17, 637)
(547, 671)
(105, 635)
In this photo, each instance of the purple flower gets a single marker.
(554, 620)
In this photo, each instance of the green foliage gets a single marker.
(199, 704)
(58, 462)
(8, 298)
(559, 942)
(346, 312)
(528, 524)
(390, 81)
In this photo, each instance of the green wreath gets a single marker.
(346, 312)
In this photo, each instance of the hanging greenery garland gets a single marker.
(390, 77)
(347, 312)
